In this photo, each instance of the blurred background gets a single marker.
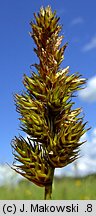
(16, 55)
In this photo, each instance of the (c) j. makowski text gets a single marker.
(52, 208)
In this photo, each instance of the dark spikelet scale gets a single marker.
(46, 111)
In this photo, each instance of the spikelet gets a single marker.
(46, 107)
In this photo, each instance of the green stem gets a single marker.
(48, 192)
(48, 188)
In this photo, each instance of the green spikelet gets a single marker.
(54, 129)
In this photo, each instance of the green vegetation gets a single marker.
(63, 189)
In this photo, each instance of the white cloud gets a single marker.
(89, 93)
(94, 132)
(90, 45)
(8, 176)
(77, 20)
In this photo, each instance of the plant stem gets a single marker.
(48, 188)
(48, 192)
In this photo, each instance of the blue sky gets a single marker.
(16, 55)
